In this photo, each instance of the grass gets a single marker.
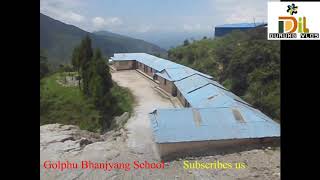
(124, 98)
(125, 101)
(67, 105)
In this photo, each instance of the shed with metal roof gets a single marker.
(151, 61)
(199, 130)
(222, 30)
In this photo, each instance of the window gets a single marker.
(237, 115)
(165, 81)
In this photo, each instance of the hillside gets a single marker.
(131, 44)
(58, 40)
(169, 40)
(244, 62)
(67, 104)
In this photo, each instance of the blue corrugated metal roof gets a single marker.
(201, 124)
(175, 74)
(214, 119)
(202, 92)
(166, 68)
(241, 25)
(126, 56)
(193, 82)
(154, 62)
(208, 96)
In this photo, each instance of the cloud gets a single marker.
(99, 15)
(232, 11)
(114, 21)
(144, 28)
(250, 15)
(74, 16)
(190, 28)
(99, 22)
(62, 10)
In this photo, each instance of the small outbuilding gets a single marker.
(124, 61)
(222, 30)
(206, 131)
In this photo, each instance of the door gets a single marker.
(174, 91)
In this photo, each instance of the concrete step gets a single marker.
(174, 100)
(146, 75)
(162, 92)
(177, 102)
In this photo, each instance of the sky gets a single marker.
(136, 17)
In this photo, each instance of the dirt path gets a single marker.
(147, 99)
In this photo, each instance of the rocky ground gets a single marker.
(134, 142)
(68, 81)
(65, 142)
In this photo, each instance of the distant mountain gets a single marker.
(132, 44)
(168, 40)
(58, 40)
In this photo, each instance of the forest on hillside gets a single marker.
(58, 39)
(245, 62)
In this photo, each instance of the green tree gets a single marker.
(186, 42)
(75, 61)
(67, 68)
(100, 84)
(85, 56)
(44, 68)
